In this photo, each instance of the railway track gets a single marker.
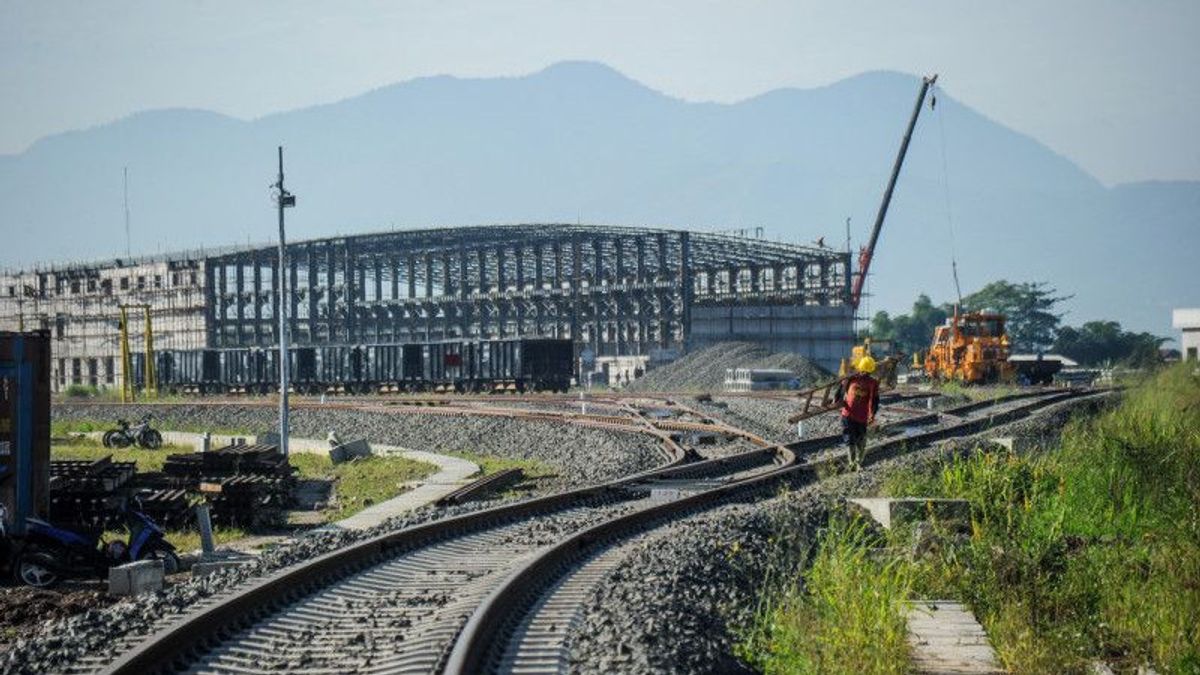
(493, 590)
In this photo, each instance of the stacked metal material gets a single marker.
(246, 485)
(88, 494)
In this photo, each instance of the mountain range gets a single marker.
(580, 142)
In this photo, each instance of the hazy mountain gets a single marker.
(579, 141)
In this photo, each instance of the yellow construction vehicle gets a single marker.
(885, 366)
(972, 348)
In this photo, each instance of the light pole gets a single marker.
(284, 199)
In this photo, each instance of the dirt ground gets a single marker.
(23, 608)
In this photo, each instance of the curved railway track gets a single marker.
(497, 589)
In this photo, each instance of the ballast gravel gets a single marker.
(582, 456)
(97, 633)
(676, 601)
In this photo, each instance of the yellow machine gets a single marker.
(972, 348)
(885, 367)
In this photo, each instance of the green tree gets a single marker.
(1029, 307)
(910, 332)
(1103, 342)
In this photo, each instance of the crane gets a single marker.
(867, 252)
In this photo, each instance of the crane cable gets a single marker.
(946, 194)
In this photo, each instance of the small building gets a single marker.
(759, 379)
(1188, 321)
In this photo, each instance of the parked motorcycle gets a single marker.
(141, 434)
(47, 554)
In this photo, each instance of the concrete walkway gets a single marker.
(453, 472)
(947, 640)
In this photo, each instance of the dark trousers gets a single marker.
(854, 434)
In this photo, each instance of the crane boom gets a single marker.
(866, 253)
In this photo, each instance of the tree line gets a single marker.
(1033, 326)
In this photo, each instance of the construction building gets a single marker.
(1188, 322)
(615, 291)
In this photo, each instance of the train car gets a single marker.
(547, 364)
(517, 364)
(447, 365)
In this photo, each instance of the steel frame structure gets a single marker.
(619, 290)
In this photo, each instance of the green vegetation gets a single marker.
(91, 449)
(362, 482)
(955, 388)
(489, 464)
(65, 427)
(189, 540)
(1103, 342)
(1087, 552)
(81, 391)
(1033, 324)
(845, 614)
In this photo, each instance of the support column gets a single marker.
(311, 281)
(332, 293)
(352, 290)
(293, 295)
(538, 278)
(239, 278)
(501, 279)
(256, 280)
(212, 307)
(687, 291)
(576, 276)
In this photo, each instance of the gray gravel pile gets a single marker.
(583, 456)
(770, 420)
(765, 417)
(94, 633)
(704, 369)
(675, 603)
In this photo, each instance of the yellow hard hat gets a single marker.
(866, 365)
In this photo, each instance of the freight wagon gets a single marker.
(520, 364)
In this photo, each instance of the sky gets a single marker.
(1109, 84)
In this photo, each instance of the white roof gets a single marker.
(1186, 318)
(1067, 363)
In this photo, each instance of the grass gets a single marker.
(363, 482)
(976, 393)
(1086, 552)
(91, 449)
(845, 614)
(489, 464)
(65, 427)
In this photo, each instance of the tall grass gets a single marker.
(845, 614)
(1090, 551)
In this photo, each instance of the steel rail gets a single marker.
(478, 647)
(200, 628)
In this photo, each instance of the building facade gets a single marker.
(1188, 322)
(615, 291)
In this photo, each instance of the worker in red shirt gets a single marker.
(860, 402)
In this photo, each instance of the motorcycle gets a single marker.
(141, 434)
(47, 554)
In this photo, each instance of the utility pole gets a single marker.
(284, 199)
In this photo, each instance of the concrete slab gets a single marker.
(204, 568)
(135, 578)
(348, 451)
(890, 512)
(947, 640)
